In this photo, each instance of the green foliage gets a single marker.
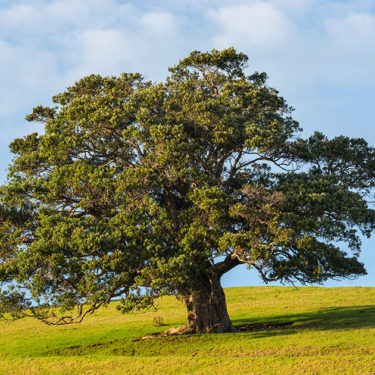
(139, 184)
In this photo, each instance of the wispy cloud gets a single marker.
(353, 30)
(305, 46)
(46, 45)
(258, 24)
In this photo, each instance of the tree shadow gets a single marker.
(330, 318)
(323, 319)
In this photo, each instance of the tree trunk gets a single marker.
(207, 310)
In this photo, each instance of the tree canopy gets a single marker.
(138, 189)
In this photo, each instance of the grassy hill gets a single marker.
(332, 332)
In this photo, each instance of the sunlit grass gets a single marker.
(333, 332)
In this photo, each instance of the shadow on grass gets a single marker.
(343, 317)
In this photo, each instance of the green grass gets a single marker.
(333, 332)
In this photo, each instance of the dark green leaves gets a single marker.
(145, 186)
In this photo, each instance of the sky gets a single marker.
(319, 54)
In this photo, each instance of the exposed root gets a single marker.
(182, 330)
(174, 331)
(186, 330)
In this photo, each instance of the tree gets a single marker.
(138, 189)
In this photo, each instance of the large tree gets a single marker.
(138, 189)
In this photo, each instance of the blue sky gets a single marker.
(319, 54)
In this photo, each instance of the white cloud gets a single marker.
(23, 71)
(47, 45)
(39, 18)
(256, 24)
(18, 15)
(356, 30)
(158, 22)
(101, 51)
(54, 43)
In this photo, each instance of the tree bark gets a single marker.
(207, 310)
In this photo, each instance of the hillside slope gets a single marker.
(330, 331)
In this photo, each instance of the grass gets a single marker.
(333, 332)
